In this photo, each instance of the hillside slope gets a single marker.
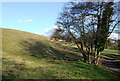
(30, 56)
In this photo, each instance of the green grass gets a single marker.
(30, 56)
(107, 53)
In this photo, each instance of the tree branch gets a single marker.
(113, 28)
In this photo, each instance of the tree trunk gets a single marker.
(90, 59)
(98, 57)
(85, 57)
(89, 55)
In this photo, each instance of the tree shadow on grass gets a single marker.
(39, 49)
(109, 60)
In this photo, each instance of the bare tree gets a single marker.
(88, 25)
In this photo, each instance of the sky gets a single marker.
(34, 17)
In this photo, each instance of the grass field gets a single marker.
(110, 54)
(30, 56)
(113, 55)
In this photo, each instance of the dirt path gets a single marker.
(111, 64)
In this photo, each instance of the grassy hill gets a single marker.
(30, 56)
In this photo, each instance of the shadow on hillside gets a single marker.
(39, 49)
